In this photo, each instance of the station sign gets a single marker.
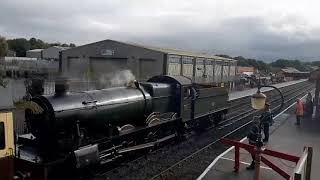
(107, 52)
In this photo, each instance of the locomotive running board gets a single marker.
(109, 157)
(146, 145)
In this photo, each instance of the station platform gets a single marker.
(249, 92)
(285, 137)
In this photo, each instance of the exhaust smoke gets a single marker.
(118, 78)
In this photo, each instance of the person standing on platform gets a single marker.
(266, 120)
(308, 111)
(253, 140)
(299, 111)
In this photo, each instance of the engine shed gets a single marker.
(108, 57)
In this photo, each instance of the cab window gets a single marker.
(186, 93)
(2, 136)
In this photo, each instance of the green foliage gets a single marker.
(3, 46)
(276, 65)
(3, 82)
(315, 63)
(55, 44)
(38, 44)
(20, 46)
(282, 63)
(260, 65)
(224, 55)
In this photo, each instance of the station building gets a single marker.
(35, 53)
(290, 73)
(52, 53)
(109, 56)
(11, 53)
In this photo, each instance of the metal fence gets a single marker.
(303, 168)
(23, 64)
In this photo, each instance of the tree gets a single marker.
(55, 44)
(3, 46)
(224, 55)
(315, 63)
(33, 42)
(3, 82)
(38, 44)
(260, 65)
(283, 63)
(20, 46)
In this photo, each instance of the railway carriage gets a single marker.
(72, 131)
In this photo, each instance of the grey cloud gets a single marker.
(82, 22)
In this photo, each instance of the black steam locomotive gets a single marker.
(79, 130)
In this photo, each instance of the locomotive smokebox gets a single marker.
(61, 86)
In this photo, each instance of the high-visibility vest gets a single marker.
(299, 109)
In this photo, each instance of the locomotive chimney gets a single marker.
(61, 86)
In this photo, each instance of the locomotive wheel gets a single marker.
(125, 128)
(153, 122)
(214, 119)
(223, 116)
(153, 118)
(202, 124)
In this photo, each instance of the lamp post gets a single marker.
(258, 102)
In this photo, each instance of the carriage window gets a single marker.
(2, 136)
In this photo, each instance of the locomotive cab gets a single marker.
(6, 145)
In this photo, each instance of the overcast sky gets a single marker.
(266, 29)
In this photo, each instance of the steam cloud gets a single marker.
(80, 79)
(118, 78)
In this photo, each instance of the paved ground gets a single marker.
(286, 137)
(239, 94)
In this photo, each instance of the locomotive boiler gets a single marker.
(96, 127)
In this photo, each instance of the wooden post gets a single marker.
(236, 158)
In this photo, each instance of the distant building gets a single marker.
(242, 69)
(52, 53)
(246, 70)
(108, 57)
(11, 53)
(290, 73)
(34, 53)
(313, 68)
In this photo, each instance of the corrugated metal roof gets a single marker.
(178, 52)
(35, 50)
(164, 50)
(62, 48)
(290, 70)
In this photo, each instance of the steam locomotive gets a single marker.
(84, 129)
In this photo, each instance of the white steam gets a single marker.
(118, 78)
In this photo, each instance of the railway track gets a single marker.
(187, 159)
(246, 109)
(242, 104)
